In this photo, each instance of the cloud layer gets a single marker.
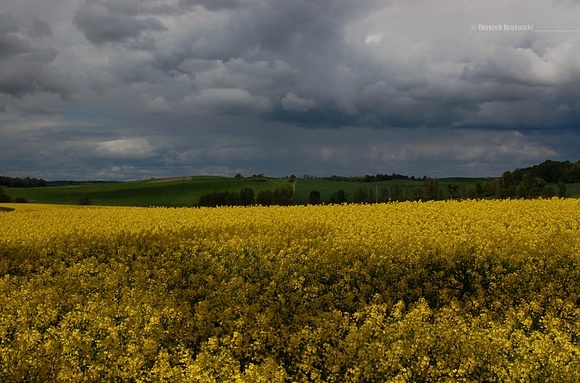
(146, 88)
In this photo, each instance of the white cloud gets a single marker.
(130, 148)
(374, 39)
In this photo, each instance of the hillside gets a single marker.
(170, 192)
(186, 191)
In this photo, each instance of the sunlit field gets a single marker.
(402, 292)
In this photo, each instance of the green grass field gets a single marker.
(572, 190)
(171, 192)
(185, 191)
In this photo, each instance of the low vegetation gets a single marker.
(546, 180)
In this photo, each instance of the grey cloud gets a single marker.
(26, 66)
(292, 102)
(40, 28)
(7, 23)
(104, 21)
(213, 5)
(227, 101)
(330, 86)
(11, 45)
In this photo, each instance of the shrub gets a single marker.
(84, 200)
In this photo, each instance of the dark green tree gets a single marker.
(397, 193)
(362, 195)
(283, 195)
(247, 197)
(561, 189)
(314, 198)
(470, 192)
(506, 186)
(419, 194)
(265, 197)
(522, 189)
(4, 197)
(84, 200)
(338, 197)
(453, 190)
(432, 189)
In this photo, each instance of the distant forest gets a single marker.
(550, 171)
(16, 182)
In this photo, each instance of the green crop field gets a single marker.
(172, 192)
(185, 191)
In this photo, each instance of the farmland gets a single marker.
(435, 291)
(171, 192)
(186, 191)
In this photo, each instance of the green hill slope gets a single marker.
(171, 192)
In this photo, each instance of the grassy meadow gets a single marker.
(185, 191)
(170, 192)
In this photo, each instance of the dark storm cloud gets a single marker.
(10, 43)
(103, 21)
(275, 86)
(213, 5)
(40, 28)
(26, 66)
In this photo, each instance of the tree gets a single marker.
(265, 197)
(572, 174)
(547, 192)
(453, 190)
(432, 189)
(338, 197)
(314, 198)
(283, 195)
(521, 190)
(247, 197)
(470, 192)
(537, 185)
(84, 200)
(480, 189)
(384, 195)
(419, 194)
(507, 185)
(362, 195)
(397, 192)
(232, 198)
(4, 197)
(561, 189)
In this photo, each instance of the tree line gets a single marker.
(370, 178)
(550, 171)
(247, 197)
(375, 194)
(17, 182)
(504, 187)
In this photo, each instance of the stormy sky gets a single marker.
(133, 89)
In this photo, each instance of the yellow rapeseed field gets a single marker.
(402, 292)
